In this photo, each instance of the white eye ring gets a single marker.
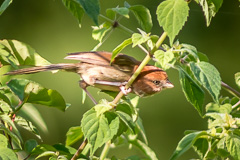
(156, 82)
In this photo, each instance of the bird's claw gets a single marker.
(124, 90)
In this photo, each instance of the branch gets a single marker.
(230, 90)
(80, 149)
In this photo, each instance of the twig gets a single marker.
(105, 150)
(230, 90)
(80, 149)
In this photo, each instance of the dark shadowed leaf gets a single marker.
(30, 145)
(92, 8)
(186, 143)
(145, 149)
(4, 5)
(192, 91)
(27, 125)
(210, 8)
(75, 8)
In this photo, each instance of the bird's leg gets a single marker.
(84, 86)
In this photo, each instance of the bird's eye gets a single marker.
(156, 82)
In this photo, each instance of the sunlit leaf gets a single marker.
(208, 76)
(98, 129)
(237, 79)
(122, 11)
(138, 39)
(233, 146)
(99, 32)
(7, 154)
(75, 8)
(16, 53)
(120, 47)
(3, 141)
(165, 59)
(171, 15)
(73, 135)
(33, 92)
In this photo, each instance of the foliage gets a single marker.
(118, 122)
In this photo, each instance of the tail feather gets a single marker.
(52, 67)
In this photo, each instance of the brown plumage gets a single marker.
(96, 70)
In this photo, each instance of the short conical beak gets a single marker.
(168, 84)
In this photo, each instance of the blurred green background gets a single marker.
(52, 31)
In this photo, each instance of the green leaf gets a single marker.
(73, 135)
(143, 16)
(208, 76)
(4, 98)
(31, 113)
(98, 129)
(237, 79)
(233, 146)
(3, 141)
(75, 8)
(138, 39)
(39, 149)
(33, 92)
(92, 8)
(102, 108)
(7, 154)
(120, 47)
(16, 139)
(215, 107)
(145, 149)
(99, 32)
(171, 15)
(141, 130)
(4, 5)
(122, 11)
(201, 147)
(191, 50)
(27, 125)
(165, 59)
(47, 154)
(30, 145)
(192, 91)
(210, 8)
(16, 53)
(186, 143)
(6, 119)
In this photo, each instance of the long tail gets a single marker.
(61, 66)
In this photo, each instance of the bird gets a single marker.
(97, 70)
